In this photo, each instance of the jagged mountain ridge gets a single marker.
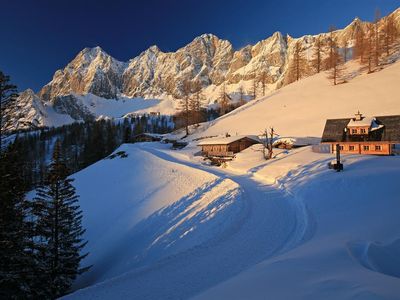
(156, 74)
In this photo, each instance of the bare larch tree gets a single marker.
(223, 100)
(317, 58)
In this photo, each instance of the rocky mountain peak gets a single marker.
(207, 59)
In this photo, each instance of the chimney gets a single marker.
(358, 116)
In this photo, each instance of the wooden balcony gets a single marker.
(219, 154)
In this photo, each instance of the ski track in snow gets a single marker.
(273, 221)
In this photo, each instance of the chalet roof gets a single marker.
(228, 140)
(365, 121)
(149, 134)
(384, 128)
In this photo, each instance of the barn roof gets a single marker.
(384, 128)
(228, 140)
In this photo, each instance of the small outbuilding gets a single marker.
(146, 137)
(227, 146)
(363, 135)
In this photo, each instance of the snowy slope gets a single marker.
(142, 208)
(355, 250)
(284, 235)
(300, 109)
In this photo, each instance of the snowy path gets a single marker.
(272, 222)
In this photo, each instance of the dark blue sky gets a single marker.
(40, 36)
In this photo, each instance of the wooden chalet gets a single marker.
(146, 137)
(363, 135)
(228, 146)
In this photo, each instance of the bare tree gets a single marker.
(345, 50)
(332, 46)
(241, 95)
(196, 103)
(254, 86)
(268, 142)
(369, 47)
(184, 105)
(359, 46)
(377, 44)
(298, 64)
(335, 63)
(317, 59)
(223, 100)
(263, 80)
(390, 33)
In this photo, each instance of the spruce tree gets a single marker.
(59, 229)
(8, 95)
(15, 259)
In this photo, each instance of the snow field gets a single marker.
(141, 208)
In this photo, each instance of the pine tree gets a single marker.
(8, 96)
(15, 260)
(59, 229)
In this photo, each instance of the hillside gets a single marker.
(300, 109)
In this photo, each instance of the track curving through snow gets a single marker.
(273, 221)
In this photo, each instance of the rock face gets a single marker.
(91, 71)
(29, 112)
(72, 106)
(207, 60)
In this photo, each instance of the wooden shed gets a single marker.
(146, 137)
(363, 135)
(228, 146)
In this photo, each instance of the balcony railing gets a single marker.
(219, 153)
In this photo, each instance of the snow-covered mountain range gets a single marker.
(155, 74)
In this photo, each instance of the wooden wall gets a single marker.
(386, 148)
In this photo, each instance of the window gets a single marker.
(351, 148)
(378, 147)
(363, 131)
(366, 148)
(354, 131)
(341, 148)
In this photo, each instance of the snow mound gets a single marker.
(382, 258)
(139, 209)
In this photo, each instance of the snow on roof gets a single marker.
(365, 121)
(228, 140)
(376, 126)
(297, 141)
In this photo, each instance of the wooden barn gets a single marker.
(363, 135)
(146, 137)
(228, 146)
